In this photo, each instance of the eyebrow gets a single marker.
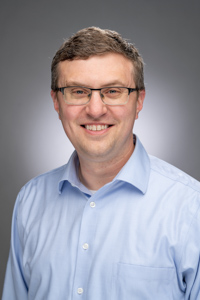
(112, 83)
(73, 83)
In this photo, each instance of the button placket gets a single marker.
(86, 237)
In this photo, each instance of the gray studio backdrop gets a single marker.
(32, 140)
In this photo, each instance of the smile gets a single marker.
(96, 127)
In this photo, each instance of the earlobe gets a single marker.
(137, 115)
(140, 102)
(55, 101)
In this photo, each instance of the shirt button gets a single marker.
(80, 291)
(92, 204)
(85, 246)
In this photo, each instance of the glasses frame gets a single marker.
(130, 90)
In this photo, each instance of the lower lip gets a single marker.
(97, 132)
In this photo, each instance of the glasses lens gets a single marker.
(115, 95)
(76, 95)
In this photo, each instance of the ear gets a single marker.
(140, 102)
(55, 102)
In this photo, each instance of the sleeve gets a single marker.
(15, 287)
(190, 261)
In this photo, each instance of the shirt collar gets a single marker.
(135, 172)
(137, 169)
(70, 173)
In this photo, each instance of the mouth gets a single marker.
(97, 127)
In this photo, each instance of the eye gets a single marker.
(78, 92)
(112, 92)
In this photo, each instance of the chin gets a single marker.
(97, 154)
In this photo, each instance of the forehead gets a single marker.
(97, 69)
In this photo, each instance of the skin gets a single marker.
(104, 152)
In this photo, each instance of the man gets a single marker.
(114, 223)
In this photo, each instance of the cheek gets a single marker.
(67, 113)
(66, 118)
(126, 113)
(69, 116)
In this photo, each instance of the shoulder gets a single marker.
(176, 190)
(36, 196)
(48, 178)
(43, 186)
(166, 172)
(177, 198)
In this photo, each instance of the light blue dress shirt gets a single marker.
(138, 237)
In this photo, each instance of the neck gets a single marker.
(94, 174)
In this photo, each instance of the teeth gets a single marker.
(96, 127)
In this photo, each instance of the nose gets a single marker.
(96, 108)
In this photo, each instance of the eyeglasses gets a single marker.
(79, 95)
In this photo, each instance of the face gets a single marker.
(99, 132)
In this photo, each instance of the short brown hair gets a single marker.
(95, 41)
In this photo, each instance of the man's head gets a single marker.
(95, 41)
(98, 92)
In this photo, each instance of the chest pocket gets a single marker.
(132, 282)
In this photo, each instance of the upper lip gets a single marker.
(96, 123)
